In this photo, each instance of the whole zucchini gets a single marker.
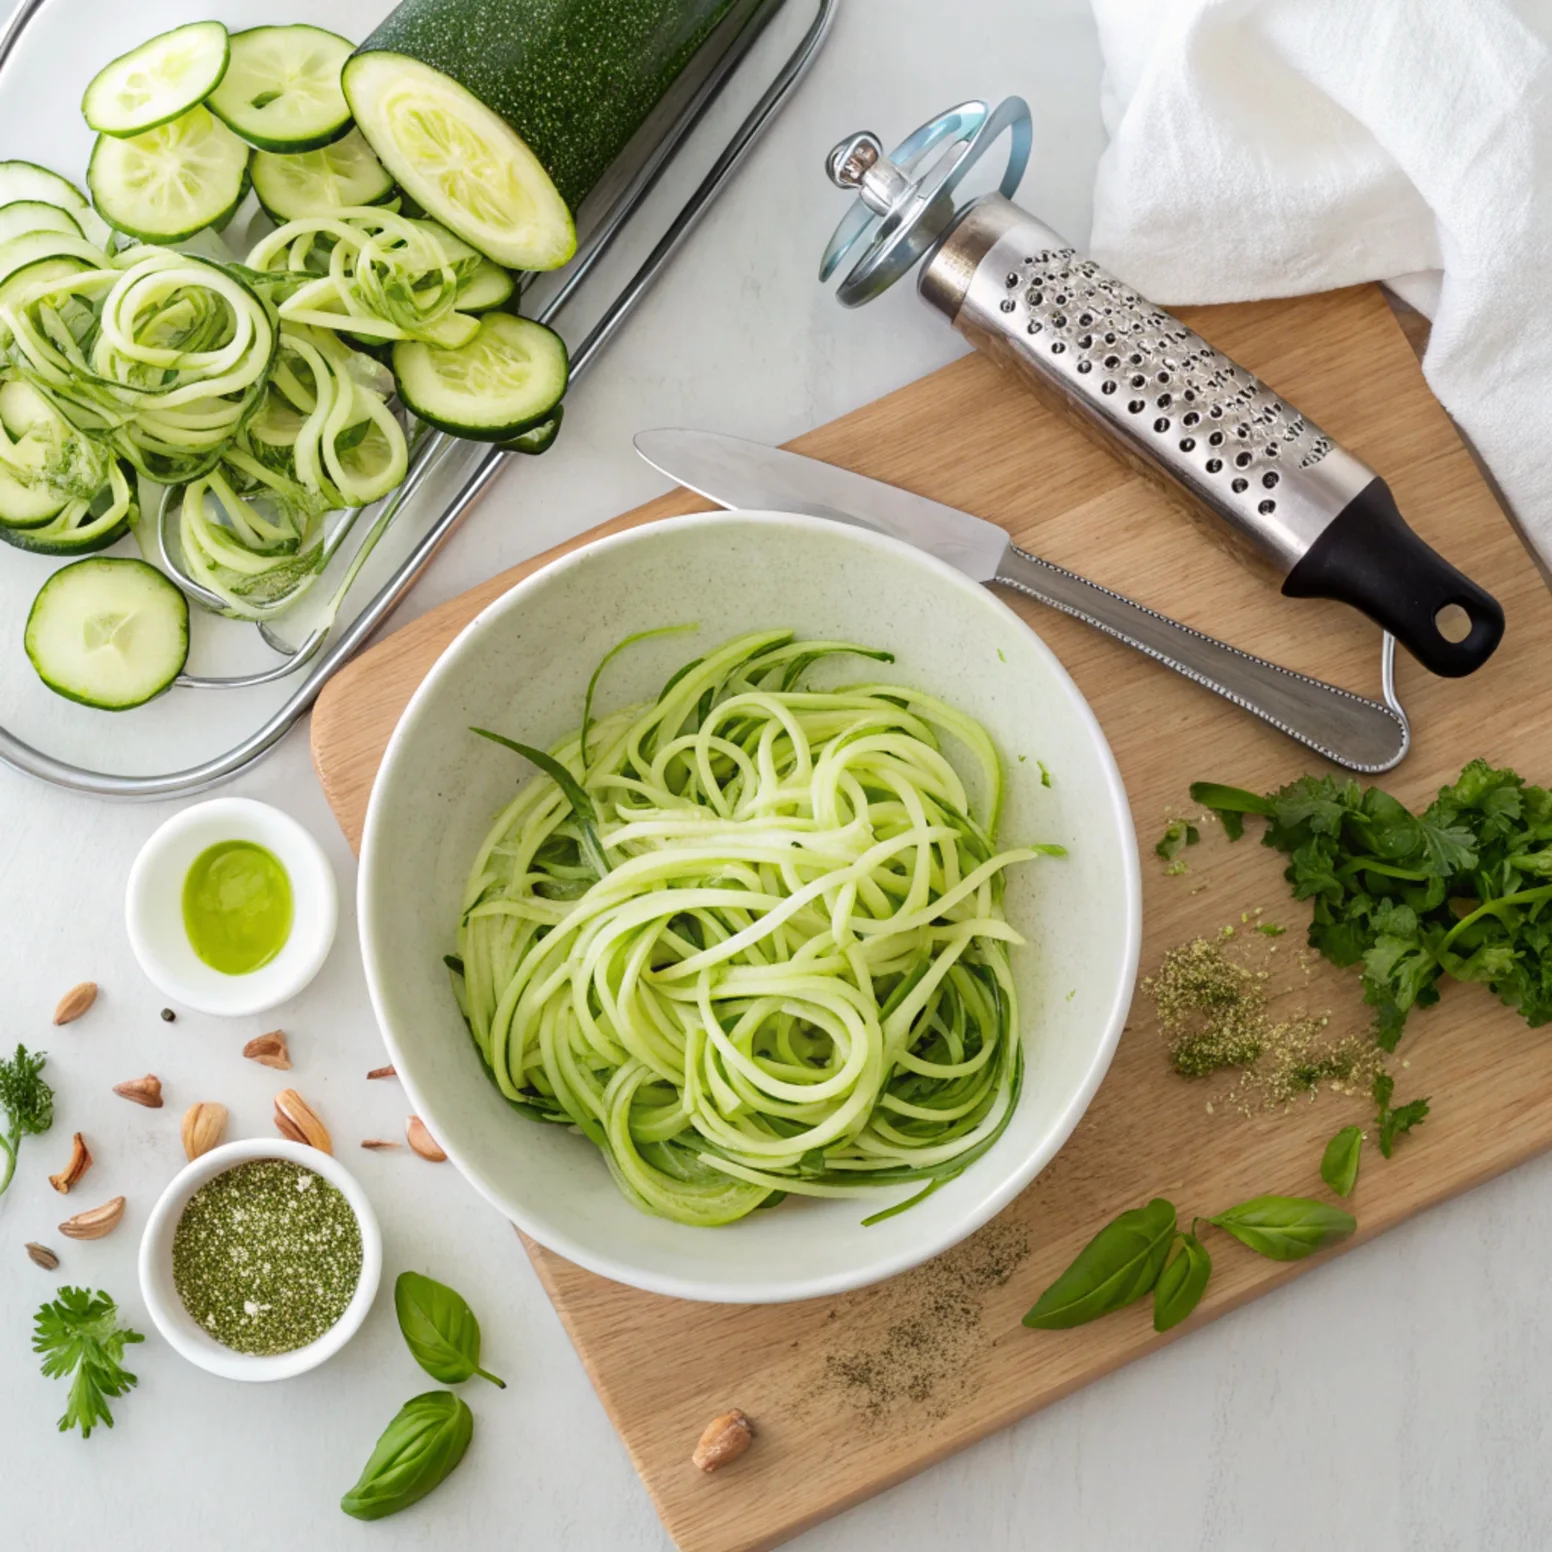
(499, 116)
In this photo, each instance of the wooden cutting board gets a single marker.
(852, 1394)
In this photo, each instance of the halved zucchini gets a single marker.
(158, 81)
(281, 91)
(507, 379)
(172, 181)
(110, 632)
(317, 183)
(460, 161)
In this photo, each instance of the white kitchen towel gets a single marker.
(1271, 147)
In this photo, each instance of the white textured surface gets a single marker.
(1396, 1399)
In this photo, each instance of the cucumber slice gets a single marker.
(282, 90)
(489, 286)
(540, 439)
(32, 215)
(460, 161)
(507, 379)
(158, 81)
(317, 183)
(26, 180)
(170, 182)
(18, 253)
(110, 633)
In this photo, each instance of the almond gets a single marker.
(416, 1135)
(80, 1162)
(95, 1223)
(380, 1144)
(145, 1091)
(41, 1255)
(725, 1439)
(203, 1126)
(75, 1002)
(270, 1049)
(296, 1119)
(383, 1072)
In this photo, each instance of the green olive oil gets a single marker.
(237, 906)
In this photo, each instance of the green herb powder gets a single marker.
(266, 1256)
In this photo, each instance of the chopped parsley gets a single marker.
(1461, 890)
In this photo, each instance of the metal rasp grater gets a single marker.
(1160, 393)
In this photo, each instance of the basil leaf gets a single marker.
(417, 1452)
(1181, 1284)
(1339, 1164)
(439, 1329)
(1118, 1266)
(1286, 1228)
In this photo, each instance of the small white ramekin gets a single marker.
(181, 1329)
(153, 907)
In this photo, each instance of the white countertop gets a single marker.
(1398, 1398)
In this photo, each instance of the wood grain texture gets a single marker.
(833, 1426)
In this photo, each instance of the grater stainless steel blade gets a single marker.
(1160, 394)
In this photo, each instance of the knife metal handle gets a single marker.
(1362, 735)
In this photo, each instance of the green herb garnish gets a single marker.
(417, 1452)
(1177, 834)
(1339, 1163)
(1286, 1228)
(1463, 889)
(439, 1329)
(28, 1103)
(1394, 1121)
(1116, 1268)
(79, 1333)
(1181, 1284)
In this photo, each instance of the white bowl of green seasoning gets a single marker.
(231, 907)
(269, 1244)
(522, 670)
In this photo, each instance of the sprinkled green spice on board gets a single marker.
(266, 1256)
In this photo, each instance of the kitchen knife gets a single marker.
(1362, 735)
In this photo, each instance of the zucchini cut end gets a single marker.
(460, 161)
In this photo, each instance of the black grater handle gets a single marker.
(1368, 557)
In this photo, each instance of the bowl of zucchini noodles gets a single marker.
(750, 905)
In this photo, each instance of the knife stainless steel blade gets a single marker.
(1361, 734)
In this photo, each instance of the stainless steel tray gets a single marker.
(747, 62)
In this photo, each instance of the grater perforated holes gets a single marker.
(1009, 305)
(1137, 406)
(1239, 486)
(1267, 508)
(1108, 386)
(1214, 465)
(1269, 479)
(1161, 425)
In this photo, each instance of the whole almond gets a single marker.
(296, 1119)
(203, 1125)
(80, 1162)
(96, 1222)
(75, 1002)
(42, 1256)
(725, 1439)
(145, 1091)
(270, 1049)
(380, 1144)
(416, 1135)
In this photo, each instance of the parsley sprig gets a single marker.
(28, 1104)
(79, 1333)
(1463, 889)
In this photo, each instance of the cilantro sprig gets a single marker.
(1462, 890)
(78, 1333)
(28, 1104)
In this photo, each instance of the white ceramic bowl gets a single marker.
(153, 907)
(522, 667)
(180, 1328)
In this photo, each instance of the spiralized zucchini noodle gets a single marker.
(749, 938)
